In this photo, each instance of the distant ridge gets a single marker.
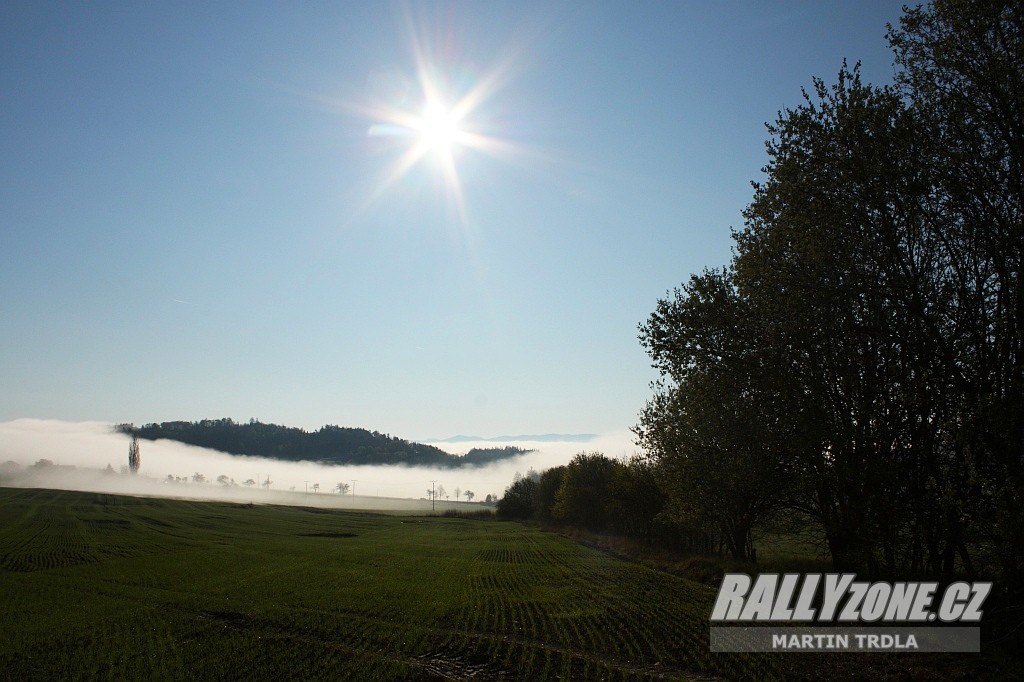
(329, 445)
(545, 438)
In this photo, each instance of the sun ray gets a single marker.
(432, 120)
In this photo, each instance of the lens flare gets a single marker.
(437, 117)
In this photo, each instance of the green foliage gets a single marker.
(548, 485)
(599, 494)
(713, 431)
(518, 500)
(583, 498)
(475, 514)
(635, 500)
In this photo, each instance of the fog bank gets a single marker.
(82, 451)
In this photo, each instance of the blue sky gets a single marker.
(195, 221)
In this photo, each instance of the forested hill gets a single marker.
(330, 444)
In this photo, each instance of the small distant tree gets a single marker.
(469, 495)
(134, 459)
(224, 480)
(342, 488)
(439, 492)
(248, 483)
(109, 470)
(458, 494)
(198, 478)
(266, 483)
(316, 487)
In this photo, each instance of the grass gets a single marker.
(114, 587)
(101, 586)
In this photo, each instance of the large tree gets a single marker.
(829, 265)
(711, 429)
(871, 320)
(962, 70)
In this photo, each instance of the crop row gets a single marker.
(46, 538)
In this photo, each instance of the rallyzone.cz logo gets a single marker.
(771, 599)
(840, 598)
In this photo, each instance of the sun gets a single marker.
(436, 133)
(433, 125)
(439, 128)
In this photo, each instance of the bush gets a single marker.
(476, 514)
(518, 501)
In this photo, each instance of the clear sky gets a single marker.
(236, 209)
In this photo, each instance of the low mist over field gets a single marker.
(80, 453)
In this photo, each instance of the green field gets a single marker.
(95, 585)
(101, 586)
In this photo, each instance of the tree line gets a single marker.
(330, 444)
(604, 495)
(859, 360)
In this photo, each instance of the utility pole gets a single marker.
(353, 491)
(433, 495)
(305, 489)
